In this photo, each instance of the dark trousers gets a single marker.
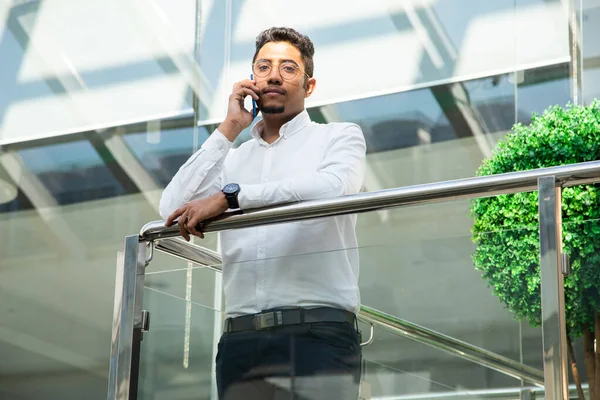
(302, 362)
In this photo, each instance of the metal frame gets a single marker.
(554, 334)
(461, 189)
(128, 320)
(128, 325)
(526, 393)
(575, 15)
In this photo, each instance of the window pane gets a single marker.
(70, 66)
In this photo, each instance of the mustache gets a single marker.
(272, 89)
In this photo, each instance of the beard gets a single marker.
(272, 110)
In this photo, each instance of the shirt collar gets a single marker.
(288, 129)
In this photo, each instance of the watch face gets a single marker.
(231, 188)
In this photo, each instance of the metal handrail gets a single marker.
(568, 175)
(208, 258)
(485, 186)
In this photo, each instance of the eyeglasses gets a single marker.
(287, 69)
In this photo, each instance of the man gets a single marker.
(291, 289)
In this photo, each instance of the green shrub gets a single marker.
(506, 227)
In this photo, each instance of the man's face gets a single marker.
(280, 94)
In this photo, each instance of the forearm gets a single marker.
(309, 187)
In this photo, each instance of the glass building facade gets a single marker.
(102, 101)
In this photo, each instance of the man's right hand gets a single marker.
(238, 118)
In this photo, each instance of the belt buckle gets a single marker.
(267, 320)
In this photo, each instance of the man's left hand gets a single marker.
(195, 212)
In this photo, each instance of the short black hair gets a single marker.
(293, 37)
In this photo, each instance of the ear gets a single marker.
(311, 83)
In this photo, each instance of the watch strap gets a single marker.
(232, 200)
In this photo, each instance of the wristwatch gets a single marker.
(231, 191)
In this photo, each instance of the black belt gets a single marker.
(295, 316)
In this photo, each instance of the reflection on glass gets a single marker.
(163, 152)
(405, 44)
(590, 50)
(540, 88)
(74, 172)
(65, 71)
(82, 170)
(432, 134)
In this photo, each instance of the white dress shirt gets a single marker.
(311, 263)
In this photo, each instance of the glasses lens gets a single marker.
(262, 69)
(288, 70)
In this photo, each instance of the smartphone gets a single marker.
(254, 106)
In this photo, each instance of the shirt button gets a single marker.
(265, 179)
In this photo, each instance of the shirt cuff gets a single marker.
(251, 196)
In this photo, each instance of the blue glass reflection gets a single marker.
(163, 153)
(72, 172)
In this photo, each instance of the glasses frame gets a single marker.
(278, 66)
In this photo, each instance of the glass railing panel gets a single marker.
(177, 354)
(430, 282)
(417, 264)
(400, 368)
(466, 283)
(57, 290)
(187, 281)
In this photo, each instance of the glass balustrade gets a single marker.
(443, 304)
(423, 277)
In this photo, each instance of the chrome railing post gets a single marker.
(552, 289)
(127, 320)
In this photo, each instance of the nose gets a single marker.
(274, 77)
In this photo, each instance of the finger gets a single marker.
(244, 82)
(182, 229)
(248, 84)
(174, 215)
(198, 233)
(193, 223)
(243, 92)
(241, 83)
